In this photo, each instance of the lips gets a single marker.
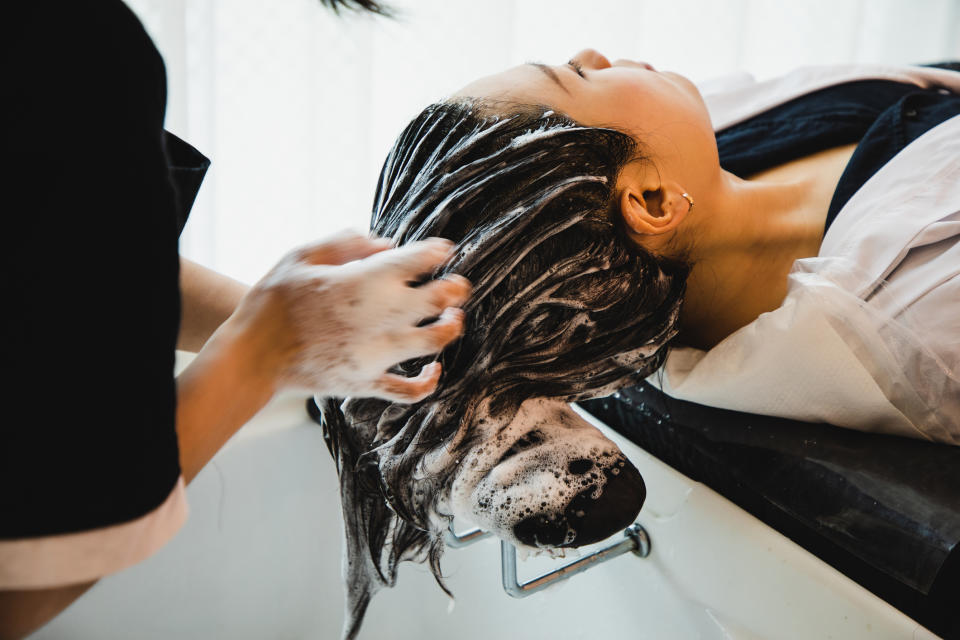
(635, 64)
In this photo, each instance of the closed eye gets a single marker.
(576, 66)
(550, 73)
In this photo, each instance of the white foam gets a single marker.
(496, 495)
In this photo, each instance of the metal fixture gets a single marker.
(635, 541)
(465, 539)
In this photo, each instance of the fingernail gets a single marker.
(456, 277)
(447, 244)
(430, 371)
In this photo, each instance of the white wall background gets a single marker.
(297, 108)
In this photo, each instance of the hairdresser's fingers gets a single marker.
(342, 248)
(417, 258)
(452, 290)
(409, 390)
(433, 337)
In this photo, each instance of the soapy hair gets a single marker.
(564, 306)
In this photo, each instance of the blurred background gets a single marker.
(297, 107)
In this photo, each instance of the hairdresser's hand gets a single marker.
(332, 317)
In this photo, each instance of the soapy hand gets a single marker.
(333, 316)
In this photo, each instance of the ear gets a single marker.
(651, 206)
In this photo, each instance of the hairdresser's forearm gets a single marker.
(207, 300)
(23, 612)
(221, 389)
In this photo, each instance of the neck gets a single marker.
(747, 235)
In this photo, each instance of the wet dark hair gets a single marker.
(564, 306)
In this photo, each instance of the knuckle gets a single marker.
(433, 250)
(391, 385)
(405, 389)
(446, 332)
(440, 292)
(448, 292)
(300, 254)
(459, 281)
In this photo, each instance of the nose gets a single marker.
(592, 59)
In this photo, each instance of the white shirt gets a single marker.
(868, 336)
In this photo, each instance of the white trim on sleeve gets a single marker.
(73, 558)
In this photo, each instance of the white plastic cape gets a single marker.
(868, 336)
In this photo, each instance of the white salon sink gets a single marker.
(260, 558)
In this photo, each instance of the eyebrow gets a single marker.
(550, 73)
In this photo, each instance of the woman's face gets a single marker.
(663, 111)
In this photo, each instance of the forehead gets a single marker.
(526, 83)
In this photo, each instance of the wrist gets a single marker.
(243, 357)
(221, 389)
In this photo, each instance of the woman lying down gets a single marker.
(796, 241)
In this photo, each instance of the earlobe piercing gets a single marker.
(686, 196)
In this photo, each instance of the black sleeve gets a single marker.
(186, 167)
(91, 303)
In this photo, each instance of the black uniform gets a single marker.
(95, 194)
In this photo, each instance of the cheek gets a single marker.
(631, 110)
(679, 134)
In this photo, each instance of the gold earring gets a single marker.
(686, 196)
